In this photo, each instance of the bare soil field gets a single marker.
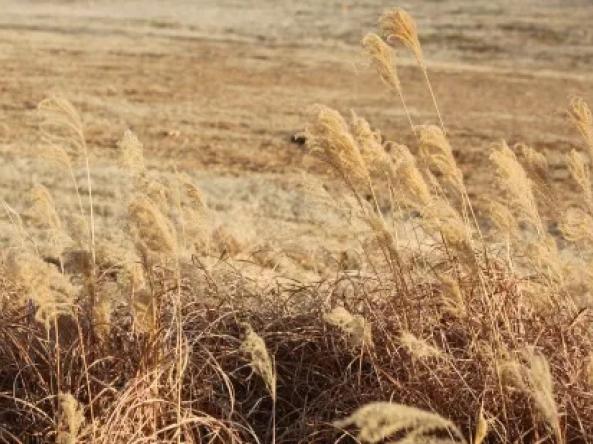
(217, 88)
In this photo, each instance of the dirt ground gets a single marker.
(216, 88)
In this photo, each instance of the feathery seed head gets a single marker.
(577, 226)
(131, 153)
(581, 173)
(330, 135)
(369, 142)
(413, 186)
(358, 329)
(419, 348)
(481, 431)
(153, 231)
(453, 300)
(535, 160)
(581, 116)
(382, 59)
(71, 419)
(43, 208)
(437, 152)
(535, 379)
(518, 187)
(62, 126)
(397, 24)
(50, 290)
(377, 421)
(503, 219)
(260, 358)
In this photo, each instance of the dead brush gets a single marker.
(450, 340)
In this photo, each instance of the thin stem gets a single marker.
(408, 115)
(434, 99)
(91, 210)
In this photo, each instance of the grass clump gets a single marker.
(477, 328)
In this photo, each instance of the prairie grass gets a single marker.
(476, 331)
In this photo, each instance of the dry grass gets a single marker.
(163, 338)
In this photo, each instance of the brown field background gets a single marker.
(216, 88)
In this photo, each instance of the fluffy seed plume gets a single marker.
(397, 25)
(50, 290)
(535, 161)
(369, 142)
(581, 116)
(414, 189)
(581, 173)
(382, 58)
(482, 427)
(153, 230)
(131, 153)
(535, 379)
(437, 152)
(452, 298)
(43, 208)
(261, 362)
(329, 135)
(384, 237)
(61, 125)
(377, 421)
(517, 186)
(355, 326)
(503, 219)
(577, 226)
(71, 419)
(419, 348)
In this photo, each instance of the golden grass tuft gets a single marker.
(50, 291)
(419, 348)
(436, 150)
(535, 379)
(382, 59)
(380, 420)
(153, 232)
(581, 117)
(355, 326)
(329, 135)
(131, 153)
(517, 186)
(71, 419)
(397, 25)
(261, 362)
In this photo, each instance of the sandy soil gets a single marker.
(216, 88)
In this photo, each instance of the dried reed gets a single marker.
(397, 25)
(382, 59)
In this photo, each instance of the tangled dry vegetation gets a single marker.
(476, 331)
